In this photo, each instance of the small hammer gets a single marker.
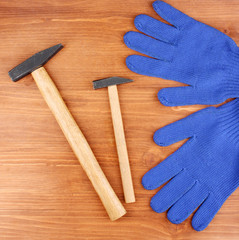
(126, 177)
(69, 127)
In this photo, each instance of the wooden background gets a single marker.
(44, 193)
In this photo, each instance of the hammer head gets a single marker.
(34, 62)
(106, 82)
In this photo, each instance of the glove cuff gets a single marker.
(231, 107)
(232, 75)
(228, 116)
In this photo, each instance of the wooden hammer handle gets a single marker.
(121, 145)
(78, 143)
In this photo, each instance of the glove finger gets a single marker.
(205, 213)
(171, 14)
(155, 68)
(172, 192)
(181, 96)
(163, 172)
(149, 46)
(156, 29)
(181, 129)
(185, 206)
(149, 66)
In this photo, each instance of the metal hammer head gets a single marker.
(34, 62)
(106, 82)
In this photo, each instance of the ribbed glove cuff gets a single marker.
(232, 76)
(228, 116)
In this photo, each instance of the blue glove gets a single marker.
(189, 52)
(204, 171)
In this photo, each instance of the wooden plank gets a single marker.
(44, 192)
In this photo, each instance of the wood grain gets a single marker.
(45, 193)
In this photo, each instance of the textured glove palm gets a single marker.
(204, 171)
(189, 52)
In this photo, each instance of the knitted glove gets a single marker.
(189, 52)
(204, 171)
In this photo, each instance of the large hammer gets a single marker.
(69, 127)
(126, 177)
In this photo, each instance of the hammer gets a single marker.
(73, 134)
(126, 178)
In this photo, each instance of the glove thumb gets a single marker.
(181, 96)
